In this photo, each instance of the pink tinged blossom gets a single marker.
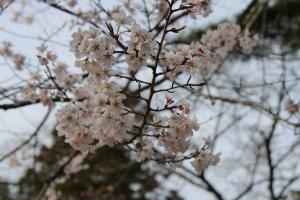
(51, 194)
(16, 16)
(6, 50)
(29, 19)
(176, 138)
(29, 93)
(35, 76)
(72, 3)
(146, 152)
(223, 39)
(208, 142)
(19, 61)
(121, 18)
(205, 159)
(169, 100)
(247, 42)
(46, 98)
(194, 59)
(102, 117)
(135, 61)
(98, 116)
(198, 7)
(43, 60)
(139, 36)
(185, 107)
(42, 48)
(291, 107)
(162, 7)
(77, 42)
(94, 53)
(174, 59)
(63, 77)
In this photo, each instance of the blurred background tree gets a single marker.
(274, 21)
(108, 174)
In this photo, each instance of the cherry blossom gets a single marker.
(205, 159)
(97, 116)
(176, 138)
(198, 7)
(291, 107)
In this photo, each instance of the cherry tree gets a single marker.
(134, 85)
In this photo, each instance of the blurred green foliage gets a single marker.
(111, 174)
(277, 22)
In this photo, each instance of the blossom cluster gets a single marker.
(59, 79)
(63, 77)
(33, 94)
(7, 52)
(45, 57)
(18, 17)
(194, 59)
(161, 7)
(176, 137)
(198, 7)
(99, 119)
(98, 116)
(140, 47)
(204, 159)
(94, 53)
(223, 40)
(291, 107)
(201, 57)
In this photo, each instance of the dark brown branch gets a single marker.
(20, 104)
(211, 187)
(4, 7)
